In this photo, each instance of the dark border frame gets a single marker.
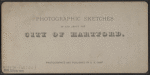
(148, 2)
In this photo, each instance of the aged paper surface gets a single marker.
(74, 37)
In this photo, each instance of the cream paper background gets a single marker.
(128, 54)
